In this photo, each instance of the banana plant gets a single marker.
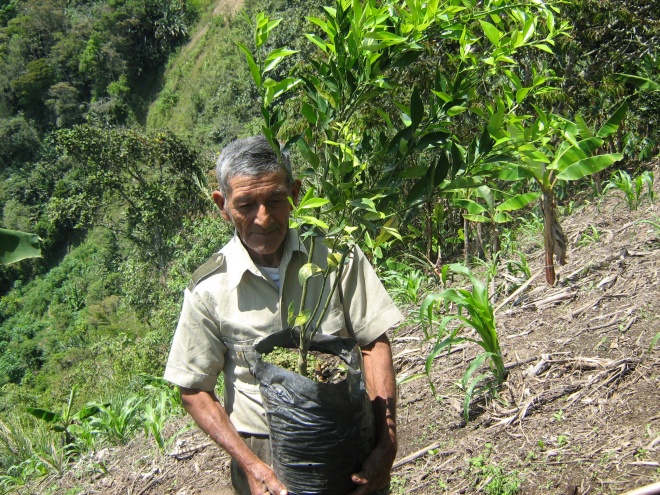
(68, 421)
(547, 163)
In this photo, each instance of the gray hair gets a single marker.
(252, 156)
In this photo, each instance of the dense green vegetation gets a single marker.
(430, 139)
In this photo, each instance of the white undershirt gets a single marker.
(273, 273)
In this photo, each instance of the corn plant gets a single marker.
(654, 341)
(154, 419)
(117, 422)
(474, 311)
(159, 409)
(632, 188)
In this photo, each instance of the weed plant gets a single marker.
(403, 282)
(493, 479)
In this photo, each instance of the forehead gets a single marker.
(265, 184)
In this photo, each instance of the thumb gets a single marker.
(359, 478)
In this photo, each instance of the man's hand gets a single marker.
(262, 480)
(375, 472)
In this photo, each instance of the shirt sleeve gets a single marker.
(197, 355)
(368, 308)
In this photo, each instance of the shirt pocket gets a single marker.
(334, 324)
(241, 359)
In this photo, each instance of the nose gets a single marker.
(263, 216)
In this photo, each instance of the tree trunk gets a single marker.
(548, 207)
(555, 241)
(480, 242)
(496, 241)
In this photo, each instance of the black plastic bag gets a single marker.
(320, 433)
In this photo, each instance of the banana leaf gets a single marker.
(16, 246)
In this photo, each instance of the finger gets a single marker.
(276, 488)
(359, 478)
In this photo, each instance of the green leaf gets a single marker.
(476, 218)
(16, 246)
(517, 202)
(637, 81)
(461, 183)
(416, 109)
(275, 57)
(76, 430)
(313, 203)
(307, 271)
(333, 261)
(469, 391)
(589, 146)
(502, 217)
(44, 414)
(88, 410)
(654, 341)
(474, 365)
(583, 128)
(302, 318)
(315, 222)
(544, 48)
(256, 75)
(472, 207)
(492, 33)
(291, 315)
(317, 41)
(589, 166)
(614, 122)
(486, 193)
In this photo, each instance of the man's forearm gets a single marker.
(381, 386)
(212, 418)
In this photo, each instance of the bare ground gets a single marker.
(578, 414)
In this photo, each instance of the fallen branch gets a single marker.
(182, 455)
(519, 290)
(418, 454)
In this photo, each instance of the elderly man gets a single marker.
(243, 293)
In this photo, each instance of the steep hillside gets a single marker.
(578, 414)
(208, 97)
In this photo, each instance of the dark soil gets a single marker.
(321, 368)
(578, 414)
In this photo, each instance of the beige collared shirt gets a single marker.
(234, 303)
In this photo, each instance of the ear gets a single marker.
(219, 200)
(295, 190)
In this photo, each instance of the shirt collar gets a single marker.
(238, 259)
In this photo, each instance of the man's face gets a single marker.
(259, 209)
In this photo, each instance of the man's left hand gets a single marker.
(375, 472)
